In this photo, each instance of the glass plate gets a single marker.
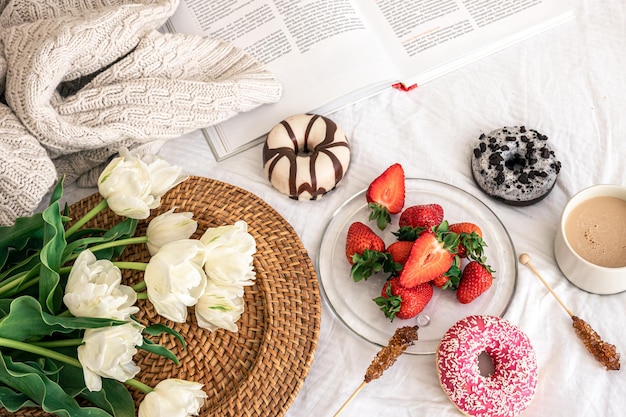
(352, 301)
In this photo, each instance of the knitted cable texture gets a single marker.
(82, 78)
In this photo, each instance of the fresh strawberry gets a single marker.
(471, 243)
(475, 280)
(360, 237)
(423, 216)
(385, 195)
(400, 251)
(465, 227)
(440, 281)
(365, 251)
(403, 303)
(449, 279)
(432, 254)
(416, 219)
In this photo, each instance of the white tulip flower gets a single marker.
(108, 352)
(235, 236)
(94, 289)
(175, 278)
(219, 308)
(230, 255)
(133, 186)
(169, 227)
(125, 185)
(163, 176)
(173, 398)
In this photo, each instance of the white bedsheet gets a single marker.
(570, 84)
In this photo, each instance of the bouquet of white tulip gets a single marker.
(67, 331)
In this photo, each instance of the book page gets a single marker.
(427, 38)
(318, 49)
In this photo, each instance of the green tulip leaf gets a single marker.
(15, 239)
(50, 292)
(149, 346)
(34, 383)
(27, 320)
(114, 397)
(13, 401)
(158, 329)
(19, 240)
(57, 192)
(123, 230)
(5, 306)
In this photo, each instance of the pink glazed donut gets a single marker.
(508, 391)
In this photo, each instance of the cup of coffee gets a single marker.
(590, 243)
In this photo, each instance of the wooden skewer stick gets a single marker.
(363, 384)
(402, 338)
(524, 259)
(604, 352)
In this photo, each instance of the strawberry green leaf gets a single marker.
(408, 233)
(369, 263)
(380, 214)
(453, 274)
(389, 305)
(473, 244)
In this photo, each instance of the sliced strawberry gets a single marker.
(403, 303)
(471, 243)
(385, 195)
(475, 280)
(432, 254)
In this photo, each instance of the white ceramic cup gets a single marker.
(580, 272)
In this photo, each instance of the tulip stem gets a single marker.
(139, 386)
(140, 286)
(38, 350)
(121, 242)
(59, 343)
(137, 266)
(90, 215)
(19, 281)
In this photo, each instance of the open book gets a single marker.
(330, 53)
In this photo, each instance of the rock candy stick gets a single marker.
(399, 342)
(604, 352)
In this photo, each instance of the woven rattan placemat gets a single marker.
(259, 370)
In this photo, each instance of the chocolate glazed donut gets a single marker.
(305, 156)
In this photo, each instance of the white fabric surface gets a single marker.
(569, 84)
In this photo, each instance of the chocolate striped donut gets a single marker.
(305, 156)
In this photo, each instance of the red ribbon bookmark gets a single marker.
(403, 87)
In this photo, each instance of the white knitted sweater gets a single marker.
(81, 78)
